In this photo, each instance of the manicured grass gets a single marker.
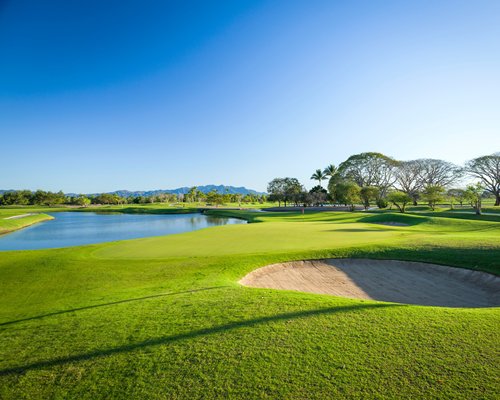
(164, 317)
(9, 225)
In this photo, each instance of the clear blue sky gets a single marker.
(104, 95)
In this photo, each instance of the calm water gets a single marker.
(78, 228)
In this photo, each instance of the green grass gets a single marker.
(164, 317)
(9, 225)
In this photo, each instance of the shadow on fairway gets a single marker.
(356, 230)
(406, 219)
(190, 335)
(109, 304)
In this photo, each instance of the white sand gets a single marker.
(383, 280)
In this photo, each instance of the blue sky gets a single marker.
(105, 95)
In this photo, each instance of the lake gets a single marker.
(79, 228)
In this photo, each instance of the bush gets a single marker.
(382, 203)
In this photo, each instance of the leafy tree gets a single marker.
(438, 172)
(370, 169)
(348, 193)
(487, 169)
(214, 197)
(369, 193)
(332, 185)
(48, 198)
(409, 178)
(330, 171)
(456, 195)
(284, 190)
(317, 195)
(226, 198)
(381, 202)
(40, 197)
(136, 200)
(276, 190)
(109, 198)
(319, 176)
(400, 199)
(433, 194)
(293, 190)
(201, 197)
(473, 194)
(19, 197)
(191, 195)
(81, 200)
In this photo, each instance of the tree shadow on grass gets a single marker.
(190, 335)
(109, 304)
(356, 230)
(408, 220)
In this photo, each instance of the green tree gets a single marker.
(215, 198)
(18, 197)
(433, 194)
(369, 193)
(113, 198)
(317, 196)
(284, 190)
(330, 171)
(487, 169)
(191, 195)
(48, 198)
(81, 200)
(370, 169)
(276, 190)
(318, 176)
(400, 199)
(409, 178)
(293, 190)
(438, 172)
(474, 194)
(348, 193)
(456, 195)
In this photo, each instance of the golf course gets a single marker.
(250, 200)
(167, 316)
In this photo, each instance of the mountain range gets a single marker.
(182, 190)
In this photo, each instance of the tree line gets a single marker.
(47, 198)
(371, 177)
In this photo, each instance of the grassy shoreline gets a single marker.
(11, 225)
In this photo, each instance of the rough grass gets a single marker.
(165, 317)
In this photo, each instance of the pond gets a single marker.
(79, 228)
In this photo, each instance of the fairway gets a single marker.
(165, 317)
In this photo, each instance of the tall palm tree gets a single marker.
(330, 170)
(318, 176)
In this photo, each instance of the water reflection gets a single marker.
(78, 228)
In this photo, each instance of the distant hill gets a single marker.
(183, 190)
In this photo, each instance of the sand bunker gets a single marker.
(383, 280)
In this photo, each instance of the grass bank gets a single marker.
(20, 220)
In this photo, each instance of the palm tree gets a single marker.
(330, 170)
(318, 176)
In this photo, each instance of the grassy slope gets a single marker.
(9, 225)
(165, 318)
